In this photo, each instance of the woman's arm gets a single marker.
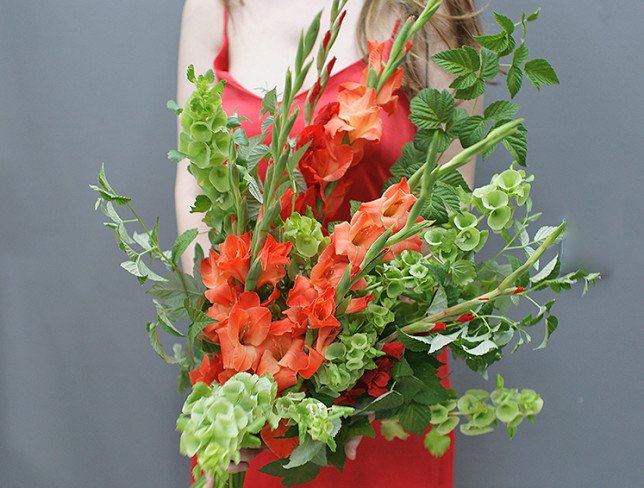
(201, 35)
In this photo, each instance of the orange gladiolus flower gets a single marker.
(358, 114)
(308, 305)
(242, 334)
(274, 256)
(354, 239)
(392, 208)
(234, 257)
(283, 357)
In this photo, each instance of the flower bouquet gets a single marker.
(298, 329)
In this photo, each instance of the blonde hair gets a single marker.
(454, 25)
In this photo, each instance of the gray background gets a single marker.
(83, 399)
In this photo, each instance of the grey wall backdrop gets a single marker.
(83, 399)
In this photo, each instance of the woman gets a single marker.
(251, 44)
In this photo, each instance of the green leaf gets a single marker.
(414, 343)
(501, 110)
(439, 302)
(540, 73)
(173, 107)
(431, 108)
(176, 156)
(517, 145)
(462, 61)
(504, 22)
(534, 16)
(269, 102)
(520, 55)
(191, 74)
(475, 91)
(182, 243)
(415, 417)
(489, 64)
(390, 400)
(240, 137)
(514, 80)
(171, 292)
(202, 204)
(550, 270)
(437, 444)
(293, 476)
(482, 348)
(472, 130)
(551, 325)
(305, 452)
(153, 333)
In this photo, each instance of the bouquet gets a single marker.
(298, 329)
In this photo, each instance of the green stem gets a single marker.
(503, 289)
(464, 157)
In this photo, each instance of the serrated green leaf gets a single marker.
(489, 65)
(460, 62)
(472, 130)
(269, 102)
(182, 243)
(501, 110)
(540, 73)
(415, 417)
(547, 271)
(304, 453)
(517, 145)
(390, 400)
(475, 91)
(514, 80)
(464, 82)
(520, 55)
(506, 23)
(431, 108)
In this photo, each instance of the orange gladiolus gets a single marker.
(358, 114)
(243, 332)
(234, 257)
(274, 256)
(354, 239)
(283, 357)
(308, 305)
(392, 208)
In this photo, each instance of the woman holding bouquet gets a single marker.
(251, 44)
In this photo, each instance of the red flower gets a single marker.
(376, 380)
(283, 357)
(519, 289)
(208, 371)
(438, 326)
(279, 445)
(394, 349)
(468, 317)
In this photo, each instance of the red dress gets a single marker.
(379, 463)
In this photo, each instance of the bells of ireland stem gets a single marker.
(216, 421)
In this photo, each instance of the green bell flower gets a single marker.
(468, 239)
(494, 199)
(509, 180)
(465, 220)
(499, 218)
(507, 411)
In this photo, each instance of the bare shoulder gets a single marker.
(202, 23)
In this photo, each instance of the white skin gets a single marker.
(262, 43)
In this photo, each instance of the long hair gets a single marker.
(454, 25)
